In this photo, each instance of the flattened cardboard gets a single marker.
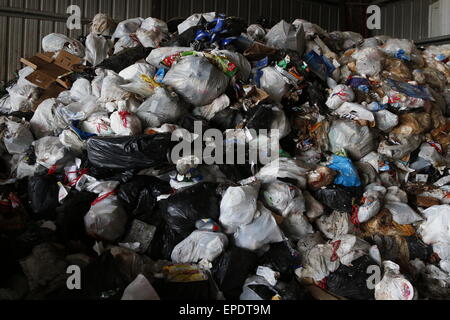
(49, 70)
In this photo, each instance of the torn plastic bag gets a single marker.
(127, 27)
(140, 290)
(341, 93)
(283, 258)
(98, 123)
(126, 153)
(348, 175)
(231, 270)
(97, 49)
(351, 281)
(17, 137)
(435, 229)
(106, 220)
(197, 80)
(200, 245)
(393, 286)
(55, 42)
(183, 209)
(286, 36)
(70, 216)
(261, 231)
(357, 140)
(238, 206)
(140, 194)
(162, 107)
(335, 225)
(43, 192)
(274, 83)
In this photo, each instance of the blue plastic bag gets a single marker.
(410, 90)
(348, 176)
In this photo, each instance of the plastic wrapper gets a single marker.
(126, 153)
(200, 245)
(196, 80)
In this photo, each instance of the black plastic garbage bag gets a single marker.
(339, 198)
(418, 249)
(164, 242)
(260, 117)
(187, 291)
(33, 236)
(226, 119)
(351, 282)
(139, 194)
(43, 193)
(125, 58)
(70, 216)
(183, 209)
(127, 153)
(283, 258)
(231, 270)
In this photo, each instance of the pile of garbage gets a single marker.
(354, 205)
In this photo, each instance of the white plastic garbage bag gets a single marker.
(97, 49)
(335, 225)
(80, 110)
(17, 137)
(310, 28)
(357, 140)
(244, 66)
(162, 107)
(125, 42)
(49, 151)
(43, 122)
(238, 207)
(274, 83)
(140, 290)
(263, 230)
(111, 90)
(106, 220)
(134, 72)
(286, 36)
(296, 226)
(152, 32)
(284, 198)
(369, 61)
(127, 27)
(402, 213)
(22, 98)
(72, 142)
(350, 248)
(102, 24)
(284, 168)
(393, 286)
(55, 42)
(197, 80)
(341, 93)
(98, 123)
(124, 123)
(80, 89)
(193, 21)
(208, 112)
(436, 227)
(386, 120)
(318, 263)
(355, 111)
(256, 32)
(200, 245)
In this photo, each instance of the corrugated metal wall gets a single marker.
(406, 19)
(21, 33)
